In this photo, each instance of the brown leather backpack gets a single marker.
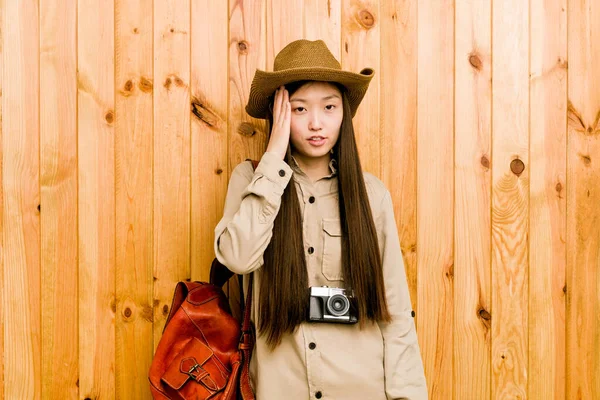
(202, 353)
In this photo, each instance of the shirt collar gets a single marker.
(332, 168)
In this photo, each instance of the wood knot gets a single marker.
(484, 314)
(366, 19)
(246, 129)
(450, 272)
(204, 113)
(39, 207)
(165, 309)
(517, 167)
(475, 61)
(558, 187)
(136, 30)
(242, 47)
(113, 305)
(394, 16)
(109, 117)
(178, 81)
(218, 171)
(562, 63)
(172, 30)
(565, 289)
(587, 160)
(167, 83)
(127, 312)
(128, 86)
(485, 162)
(145, 85)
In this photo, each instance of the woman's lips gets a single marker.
(317, 141)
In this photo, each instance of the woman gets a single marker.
(331, 303)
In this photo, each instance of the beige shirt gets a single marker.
(321, 360)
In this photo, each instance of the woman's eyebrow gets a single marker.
(333, 96)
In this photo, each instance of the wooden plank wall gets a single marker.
(121, 122)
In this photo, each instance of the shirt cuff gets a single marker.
(275, 169)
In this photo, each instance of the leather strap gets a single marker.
(247, 340)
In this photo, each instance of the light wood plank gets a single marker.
(247, 52)
(209, 129)
(171, 153)
(21, 217)
(547, 219)
(323, 20)
(2, 288)
(96, 115)
(583, 201)
(58, 187)
(472, 119)
(133, 197)
(398, 122)
(285, 22)
(361, 49)
(510, 198)
(435, 193)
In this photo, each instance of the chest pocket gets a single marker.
(332, 249)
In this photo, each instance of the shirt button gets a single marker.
(312, 345)
(281, 172)
(311, 199)
(311, 250)
(318, 395)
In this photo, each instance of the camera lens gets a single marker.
(338, 305)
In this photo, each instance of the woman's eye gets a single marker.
(299, 109)
(330, 107)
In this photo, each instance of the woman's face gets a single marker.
(316, 119)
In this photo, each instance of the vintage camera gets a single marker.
(329, 304)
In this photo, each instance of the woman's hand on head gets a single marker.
(282, 115)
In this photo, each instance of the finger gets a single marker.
(276, 105)
(280, 97)
(288, 118)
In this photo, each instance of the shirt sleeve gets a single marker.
(404, 373)
(251, 205)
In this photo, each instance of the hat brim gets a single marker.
(265, 83)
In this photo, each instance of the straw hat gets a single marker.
(305, 60)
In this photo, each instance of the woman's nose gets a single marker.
(314, 123)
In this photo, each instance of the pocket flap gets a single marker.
(332, 227)
(188, 364)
